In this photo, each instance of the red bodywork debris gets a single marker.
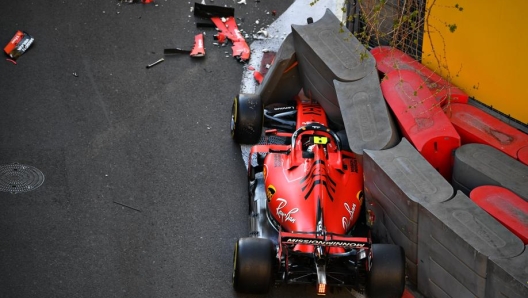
(221, 37)
(258, 76)
(198, 49)
(230, 30)
(12, 61)
(18, 45)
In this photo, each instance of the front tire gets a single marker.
(387, 273)
(247, 117)
(253, 265)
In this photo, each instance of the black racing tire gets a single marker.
(386, 277)
(247, 116)
(253, 261)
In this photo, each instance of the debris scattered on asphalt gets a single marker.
(155, 63)
(75, 75)
(137, 1)
(262, 34)
(224, 20)
(12, 61)
(18, 45)
(121, 204)
(197, 51)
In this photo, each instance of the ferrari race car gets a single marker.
(306, 206)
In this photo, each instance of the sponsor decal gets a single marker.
(270, 191)
(283, 216)
(347, 221)
(324, 242)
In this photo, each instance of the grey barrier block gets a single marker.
(327, 51)
(508, 277)
(397, 181)
(455, 240)
(282, 81)
(366, 117)
(479, 164)
(382, 234)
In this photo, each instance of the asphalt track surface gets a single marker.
(144, 192)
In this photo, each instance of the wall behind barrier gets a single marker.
(486, 54)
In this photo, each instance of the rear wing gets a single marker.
(327, 240)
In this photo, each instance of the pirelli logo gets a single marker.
(323, 242)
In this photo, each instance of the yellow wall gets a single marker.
(487, 55)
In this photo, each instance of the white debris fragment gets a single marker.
(263, 32)
(203, 2)
(223, 19)
(268, 66)
(265, 50)
(242, 2)
(192, 8)
(257, 22)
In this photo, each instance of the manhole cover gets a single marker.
(17, 178)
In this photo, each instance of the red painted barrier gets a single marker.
(420, 119)
(505, 206)
(476, 126)
(522, 155)
(389, 59)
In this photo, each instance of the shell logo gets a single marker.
(270, 191)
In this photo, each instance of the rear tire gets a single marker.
(387, 274)
(247, 117)
(253, 265)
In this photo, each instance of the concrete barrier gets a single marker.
(508, 277)
(455, 240)
(282, 81)
(326, 53)
(397, 182)
(478, 164)
(366, 117)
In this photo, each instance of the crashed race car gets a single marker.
(306, 128)
(306, 211)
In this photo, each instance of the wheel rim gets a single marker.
(234, 116)
(235, 262)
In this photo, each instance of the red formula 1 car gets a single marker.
(307, 219)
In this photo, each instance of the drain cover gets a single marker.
(17, 178)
